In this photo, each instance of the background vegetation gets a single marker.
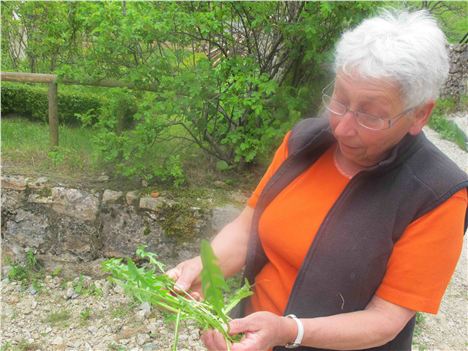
(221, 82)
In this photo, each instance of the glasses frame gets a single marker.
(388, 122)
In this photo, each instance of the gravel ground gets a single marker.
(58, 318)
(448, 329)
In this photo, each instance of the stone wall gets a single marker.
(73, 227)
(457, 82)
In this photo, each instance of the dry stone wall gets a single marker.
(73, 227)
(457, 82)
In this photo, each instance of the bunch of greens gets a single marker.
(152, 285)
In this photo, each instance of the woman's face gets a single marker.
(360, 146)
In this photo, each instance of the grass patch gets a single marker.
(449, 130)
(81, 289)
(23, 345)
(123, 310)
(26, 143)
(59, 318)
(85, 316)
(26, 150)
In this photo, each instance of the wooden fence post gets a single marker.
(53, 119)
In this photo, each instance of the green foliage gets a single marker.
(29, 273)
(447, 129)
(151, 284)
(227, 77)
(85, 315)
(213, 283)
(31, 101)
(450, 14)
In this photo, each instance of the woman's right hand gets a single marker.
(187, 276)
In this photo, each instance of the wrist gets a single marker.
(289, 328)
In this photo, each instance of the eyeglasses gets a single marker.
(364, 119)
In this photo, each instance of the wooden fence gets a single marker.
(51, 79)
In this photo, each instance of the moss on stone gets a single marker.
(178, 221)
(45, 192)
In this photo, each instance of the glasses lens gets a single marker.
(333, 105)
(369, 121)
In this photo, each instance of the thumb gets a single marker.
(185, 279)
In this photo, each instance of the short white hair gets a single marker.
(408, 48)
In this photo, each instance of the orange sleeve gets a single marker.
(280, 155)
(425, 257)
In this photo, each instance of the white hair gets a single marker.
(407, 48)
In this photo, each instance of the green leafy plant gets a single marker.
(85, 315)
(151, 284)
(28, 273)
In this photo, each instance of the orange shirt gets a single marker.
(419, 268)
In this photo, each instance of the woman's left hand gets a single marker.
(262, 330)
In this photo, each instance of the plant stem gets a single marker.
(176, 332)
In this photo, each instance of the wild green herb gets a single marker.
(151, 284)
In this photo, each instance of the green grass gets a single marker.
(59, 318)
(123, 310)
(449, 130)
(23, 345)
(26, 143)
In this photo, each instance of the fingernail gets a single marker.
(180, 286)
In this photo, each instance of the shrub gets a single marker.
(74, 108)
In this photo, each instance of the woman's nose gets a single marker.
(346, 124)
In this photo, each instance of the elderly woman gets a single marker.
(358, 222)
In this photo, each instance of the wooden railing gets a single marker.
(51, 79)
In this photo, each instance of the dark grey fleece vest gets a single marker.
(347, 260)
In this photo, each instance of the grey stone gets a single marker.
(26, 229)
(58, 340)
(145, 307)
(132, 197)
(75, 203)
(150, 347)
(11, 200)
(14, 182)
(40, 199)
(38, 183)
(71, 294)
(151, 203)
(124, 229)
(110, 196)
(103, 178)
(142, 338)
(223, 215)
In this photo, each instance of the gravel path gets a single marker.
(448, 329)
(101, 317)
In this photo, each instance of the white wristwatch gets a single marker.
(300, 333)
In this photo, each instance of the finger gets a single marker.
(247, 343)
(219, 341)
(240, 325)
(207, 339)
(173, 273)
(195, 295)
(213, 341)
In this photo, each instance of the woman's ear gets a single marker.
(421, 117)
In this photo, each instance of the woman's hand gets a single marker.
(262, 330)
(187, 276)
